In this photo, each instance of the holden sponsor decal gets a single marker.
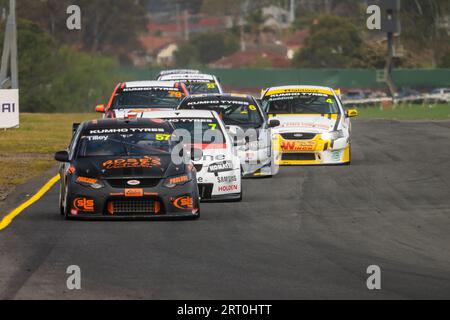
(133, 182)
(220, 167)
(228, 188)
(145, 162)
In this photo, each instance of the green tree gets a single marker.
(206, 48)
(55, 79)
(186, 55)
(421, 29)
(37, 53)
(111, 27)
(334, 42)
(445, 61)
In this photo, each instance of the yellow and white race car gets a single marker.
(314, 128)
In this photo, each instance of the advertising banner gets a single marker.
(9, 108)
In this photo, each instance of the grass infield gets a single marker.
(28, 151)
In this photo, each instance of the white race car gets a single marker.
(196, 83)
(247, 123)
(314, 127)
(131, 98)
(218, 168)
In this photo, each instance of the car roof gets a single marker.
(178, 71)
(200, 114)
(305, 87)
(151, 83)
(188, 76)
(124, 123)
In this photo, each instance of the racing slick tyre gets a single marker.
(65, 206)
(63, 201)
(196, 217)
(61, 205)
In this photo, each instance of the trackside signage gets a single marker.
(9, 108)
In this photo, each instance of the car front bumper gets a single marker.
(311, 152)
(133, 204)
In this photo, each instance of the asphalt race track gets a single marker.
(309, 233)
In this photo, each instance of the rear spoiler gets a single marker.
(75, 127)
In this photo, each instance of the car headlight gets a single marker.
(173, 182)
(333, 135)
(90, 182)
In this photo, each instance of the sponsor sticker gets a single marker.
(146, 162)
(298, 146)
(98, 132)
(83, 204)
(229, 179)
(220, 167)
(86, 180)
(228, 188)
(184, 203)
(336, 155)
(134, 193)
(133, 182)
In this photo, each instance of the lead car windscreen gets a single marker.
(301, 103)
(124, 142)
(147, 98)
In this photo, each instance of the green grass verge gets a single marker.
(407, 112)
(28, 151)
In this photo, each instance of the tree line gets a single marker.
(70, 71)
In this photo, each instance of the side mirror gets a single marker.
(100, 108)
(62, 156)
(352, 113)
(273, 123)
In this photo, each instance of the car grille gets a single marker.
(122, 183)
(298, 157)
(143, 207)
(298, 136)
(206, 190)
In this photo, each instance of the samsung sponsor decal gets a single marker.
(9, 108)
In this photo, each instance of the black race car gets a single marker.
(123, 169)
